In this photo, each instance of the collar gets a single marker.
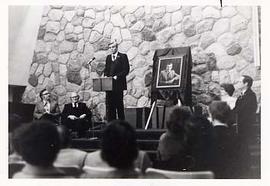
(116, 54)
(45, 102)
(218, 123)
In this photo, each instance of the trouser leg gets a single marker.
(120, 105)
(110, 106)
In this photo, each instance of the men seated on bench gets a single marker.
(76, 115)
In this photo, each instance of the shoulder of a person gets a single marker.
(163, 136)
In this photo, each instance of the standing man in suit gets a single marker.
(245, 110)
(46, 108)
(76, 115)
(245, 107)
(117, 67)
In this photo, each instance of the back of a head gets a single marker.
(220, 111)
(198, 130)
(119, 146)
(38, 143)
(64, 134)
(229, 88)
(177, 119)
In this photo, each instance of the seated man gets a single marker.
(47, 108)
(76, 116)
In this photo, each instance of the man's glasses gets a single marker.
(46, 94)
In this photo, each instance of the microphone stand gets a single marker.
(89, 71)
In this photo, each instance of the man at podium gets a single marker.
(117, 67)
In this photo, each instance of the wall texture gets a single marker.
(221, 41)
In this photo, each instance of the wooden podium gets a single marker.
(103, 84)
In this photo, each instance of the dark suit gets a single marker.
(39, 112)
(114, 99)
(79, 125)
(245, 110)
(224, 161)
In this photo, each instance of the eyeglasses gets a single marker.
(47, 93)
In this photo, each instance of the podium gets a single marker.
(103, 84)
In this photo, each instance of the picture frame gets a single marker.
(169, 72)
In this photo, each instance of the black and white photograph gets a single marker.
(169, 72)
(138, 91)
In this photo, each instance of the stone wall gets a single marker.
(221, 41)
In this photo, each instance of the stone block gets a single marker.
(211, 12)
(221, 26)
(53, 26)
(204, 25)
(88, 23)
(234, 49)
(74, 77)
(55, 14)
(69, 15)
(189, 27)
(33, 80)
(177, 17)
(66, 47)
(117, 20)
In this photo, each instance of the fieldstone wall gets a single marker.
(221, 41)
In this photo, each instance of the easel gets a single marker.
(154, 106)
(183, 96)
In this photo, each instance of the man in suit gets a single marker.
(46, 108)
(245, 110)
(76, 115)
(245, 107)
(117, 67)
(169, 76)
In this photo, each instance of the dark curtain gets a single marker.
(184, 91)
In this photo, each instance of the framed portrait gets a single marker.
(169, 72)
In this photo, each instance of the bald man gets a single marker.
(76, 115)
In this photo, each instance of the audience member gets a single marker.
(172, 147)
(47, 108)
(119, 150)
(94, 159)
(199, 132)
(76, 115)
(68, 156)
(14, 121)
(38, 143)
(224, 162)
(226, 92)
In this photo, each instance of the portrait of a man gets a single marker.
(169, 72)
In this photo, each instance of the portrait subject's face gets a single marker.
(169, 67)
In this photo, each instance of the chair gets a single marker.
(74, 171)
(14, 168)
(96, 172)
(182, 175)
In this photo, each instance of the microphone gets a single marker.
(89, 62)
